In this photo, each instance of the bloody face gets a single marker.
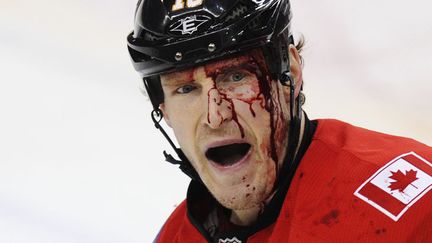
(231, 121)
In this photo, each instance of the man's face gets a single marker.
(230, 120)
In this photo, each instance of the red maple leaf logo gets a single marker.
(402, 181)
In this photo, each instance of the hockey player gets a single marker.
(227, 78)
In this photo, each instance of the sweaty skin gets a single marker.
(232, 101)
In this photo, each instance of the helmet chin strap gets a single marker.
(184, 163)
(287, 169)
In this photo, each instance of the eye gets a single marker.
(185, 89)
(237, 76)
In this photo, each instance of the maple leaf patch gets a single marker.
(402, 181)
(398, 185)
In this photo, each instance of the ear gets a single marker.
(296, 68)
(165, 114)
(296, 71)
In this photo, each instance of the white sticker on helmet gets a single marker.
(179, 4)
(189, 24)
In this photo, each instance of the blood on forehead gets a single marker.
(252, 57)
(212, 69)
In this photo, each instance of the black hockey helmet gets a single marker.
(171, 35)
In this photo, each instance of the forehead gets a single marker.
(254, 56)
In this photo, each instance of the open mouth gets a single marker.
(228, 154)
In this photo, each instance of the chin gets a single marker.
(246, 195)
(243, 200)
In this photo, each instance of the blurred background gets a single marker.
(80, 160)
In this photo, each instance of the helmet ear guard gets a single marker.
(278, 59)
(154, 90)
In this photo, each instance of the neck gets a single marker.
(247, 217)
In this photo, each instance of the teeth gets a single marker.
(228, 154)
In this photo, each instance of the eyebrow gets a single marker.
(174, 79)
(229, 66)
(250, 67)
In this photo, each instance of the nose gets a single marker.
(219, 108)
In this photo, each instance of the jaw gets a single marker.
(244, 185)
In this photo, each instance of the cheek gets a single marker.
(247, 97)
(272, 127)
(246, 92)
(182, 126)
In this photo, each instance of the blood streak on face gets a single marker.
(257, 66)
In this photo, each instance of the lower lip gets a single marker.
(236, 166)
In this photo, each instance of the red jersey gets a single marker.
(352, 185)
